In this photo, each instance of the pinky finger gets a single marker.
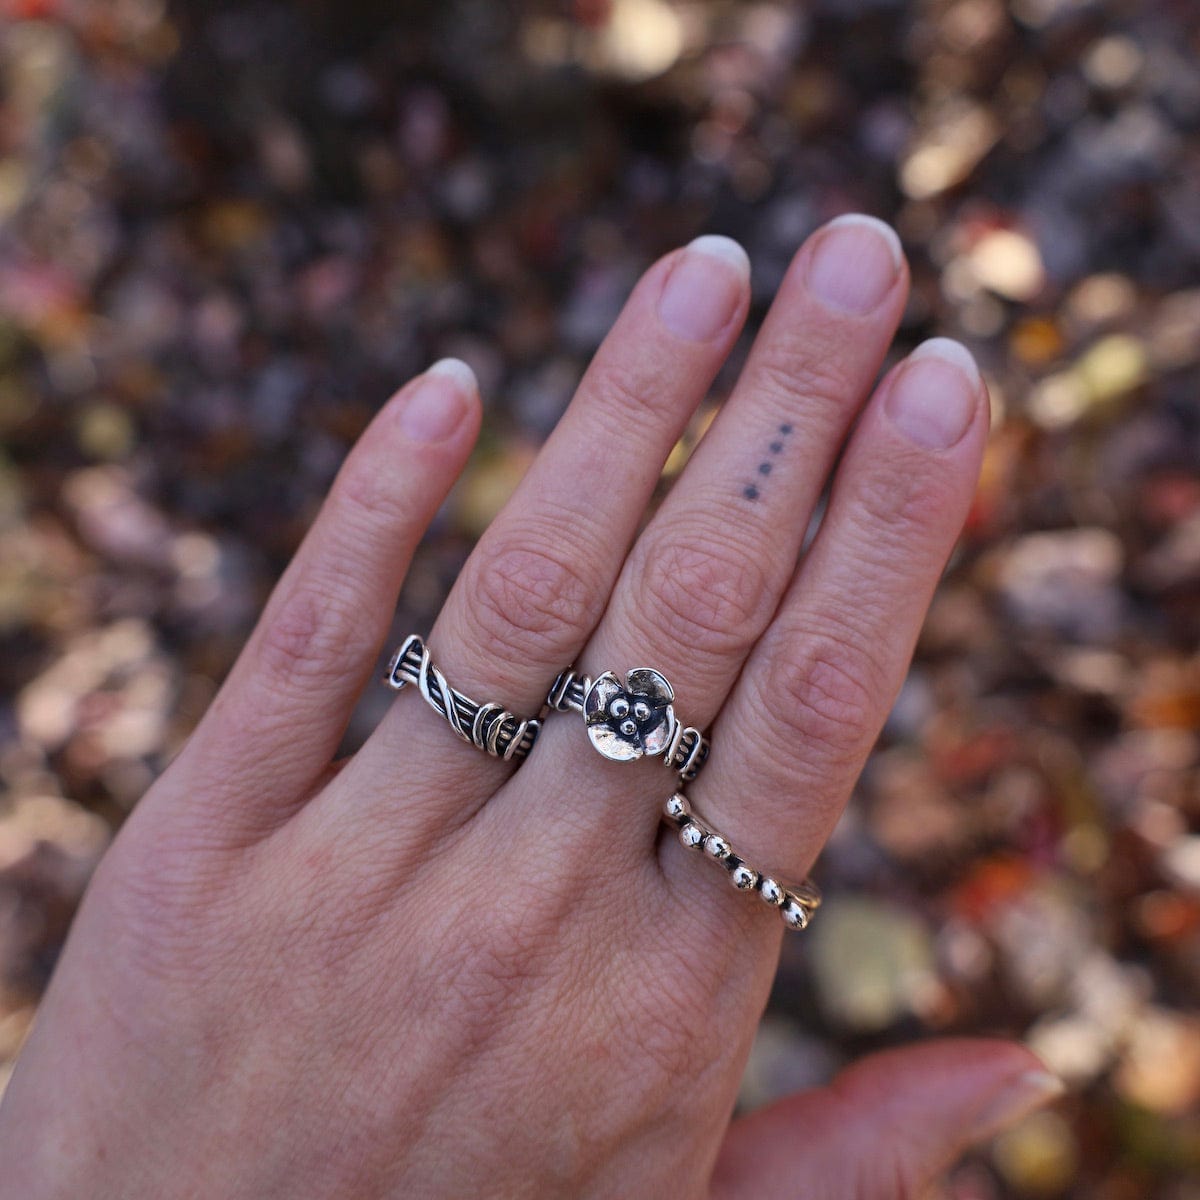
(278, 719)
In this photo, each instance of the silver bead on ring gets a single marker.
(796, 904)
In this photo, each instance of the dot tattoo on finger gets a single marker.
(752, 491)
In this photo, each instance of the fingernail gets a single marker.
(854, 263)
(1016, 1099)
(933, 398)
(438, 401)
(704, 288)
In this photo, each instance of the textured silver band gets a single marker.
(796, 903)
(686, 749)
(489, 727)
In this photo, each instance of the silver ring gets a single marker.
(489, 727)
(632, 719)
(796, 902)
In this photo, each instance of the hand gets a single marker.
(425, 972)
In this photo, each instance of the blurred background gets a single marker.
(229, 231)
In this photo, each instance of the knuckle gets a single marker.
(167, 887)
(365, 496)
(709, 596)
(677, 983)
(503, 951)
(820, 380)
(669, 1047)
(905, 500)
(627, 393)
(530, 587)
(311, 633)
(828, 695)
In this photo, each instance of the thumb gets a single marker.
(887, 1127)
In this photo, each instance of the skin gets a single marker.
(428, 973)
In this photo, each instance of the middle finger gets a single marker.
(532, 590)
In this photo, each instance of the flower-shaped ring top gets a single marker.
(633, 720)
(627, 722)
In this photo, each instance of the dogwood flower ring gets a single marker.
(631, 719)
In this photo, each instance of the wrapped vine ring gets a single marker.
(489, 727)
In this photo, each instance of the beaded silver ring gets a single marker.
(796, 903)
(631, 719)
(489, 727)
